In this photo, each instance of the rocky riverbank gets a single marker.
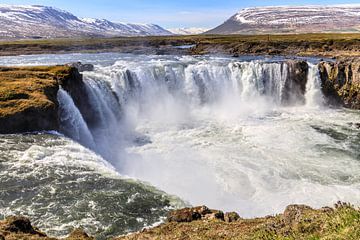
(296, 222)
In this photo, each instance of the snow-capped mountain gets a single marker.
(188, 31)
(48, 22)
(286, 19)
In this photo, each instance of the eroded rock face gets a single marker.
(295, 85)
(341, 82)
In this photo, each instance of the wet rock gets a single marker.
(74, 84)
(341, 82)
(79, 234)
(81, 67)
(231, 217)
(20, 225)
(295, 84)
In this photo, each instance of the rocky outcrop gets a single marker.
(74, 85)
(295, 85)
(18, 226)
(341, 82)
(195, 213)
(297, 222)
(81, 67)
(13, 228)
(28, 97)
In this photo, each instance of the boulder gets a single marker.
(195, 213)
(81, 67)
(79, 234)
(184, 215)
(19, 225)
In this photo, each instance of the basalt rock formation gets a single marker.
(28, 97)
(341, 82)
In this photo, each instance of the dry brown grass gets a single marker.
(297, 223)
(310, 44)
(28, 87)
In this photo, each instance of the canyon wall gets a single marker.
(341, 82)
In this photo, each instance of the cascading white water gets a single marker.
(313, 95)
(72, 122)
(215, 131)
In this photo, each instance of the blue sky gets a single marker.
(167, 13)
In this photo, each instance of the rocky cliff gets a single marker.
(341, 82)
(28, 96)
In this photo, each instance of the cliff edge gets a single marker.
(28, 96)
(341, 82)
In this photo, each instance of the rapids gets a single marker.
(230, 133)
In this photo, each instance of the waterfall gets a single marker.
(314, 96)
(71, 121)
(198, 83)
(170, 92)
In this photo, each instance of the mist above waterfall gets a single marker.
(249, 135)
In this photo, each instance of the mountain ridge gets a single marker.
(37, 21)
(292, 19)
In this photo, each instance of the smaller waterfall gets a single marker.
(71, 121)
(313, 96)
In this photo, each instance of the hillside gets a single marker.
(298, 19)
(23, 22)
